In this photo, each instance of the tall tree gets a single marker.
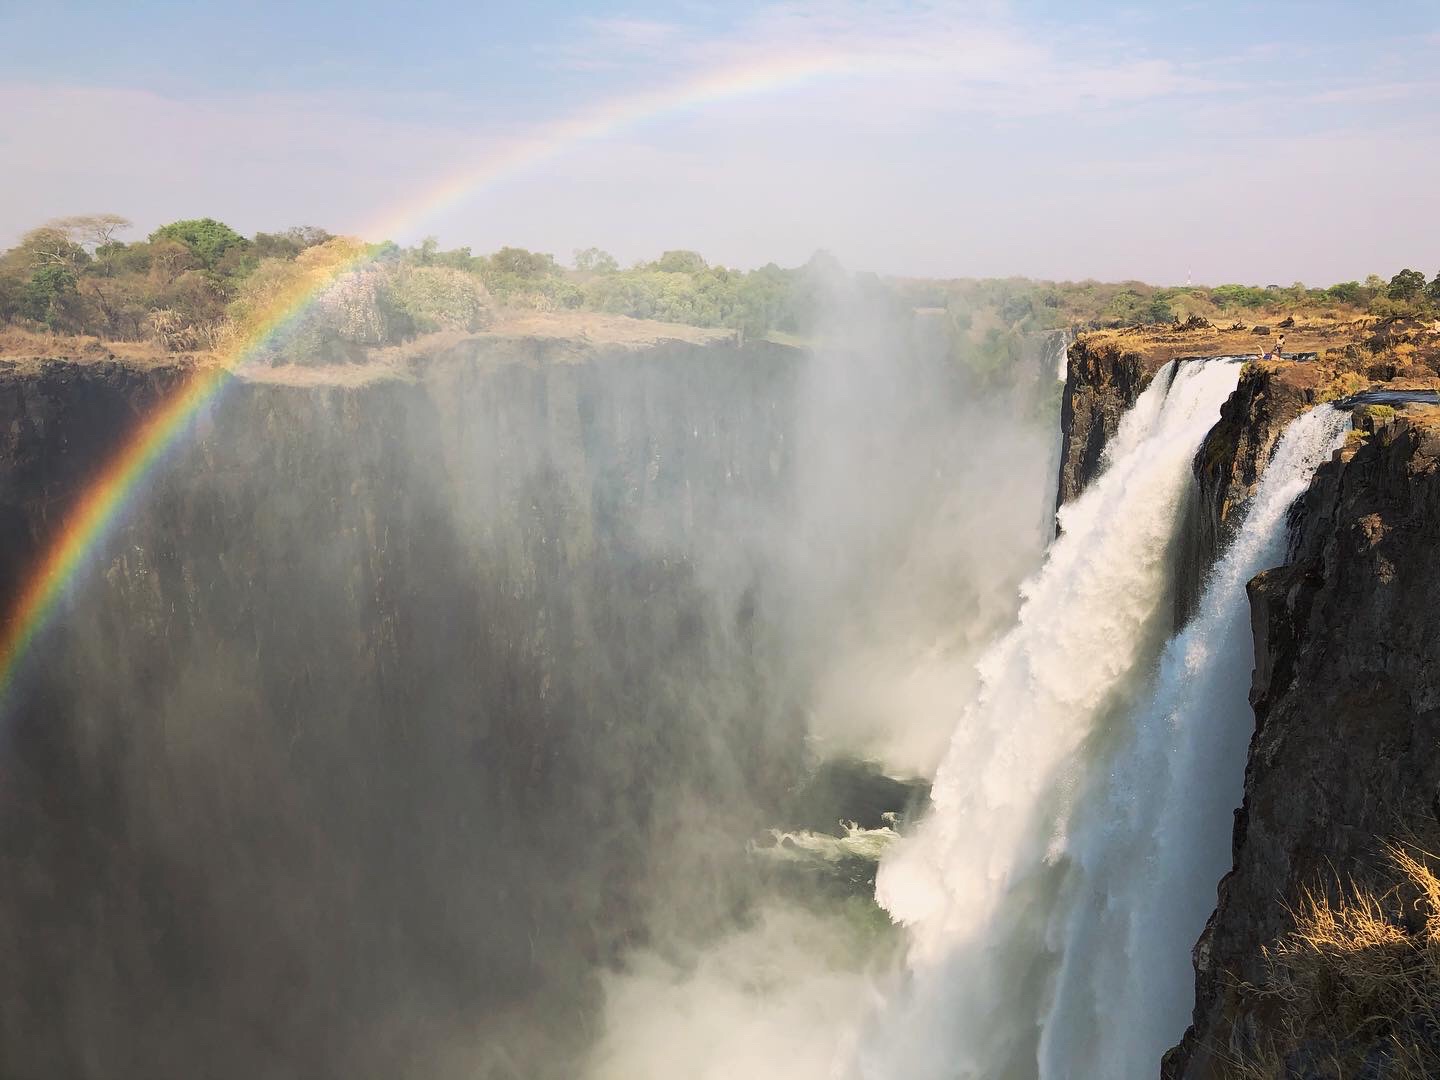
(1406, 285)
(52, 246)
(207, 238)
(92, 231)
(592, 260)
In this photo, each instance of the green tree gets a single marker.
(522, 263)
(1406, 285)
(1127, 306)
(592, 260)
(1432, 291)
(680, 262)
(438, 298)
(1348, 292)
(46, 292)
(288, 244)
(12, 298)
(1157, 310)
(207, 239)
(1233, 296)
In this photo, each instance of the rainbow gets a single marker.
(106, 495)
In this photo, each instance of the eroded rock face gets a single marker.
(1347, 700)
(1229, 463)
(1102, 382)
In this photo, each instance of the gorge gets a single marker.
(538, 704)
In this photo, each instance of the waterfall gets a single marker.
(1147, 859)
(976, 883)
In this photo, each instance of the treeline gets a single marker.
(1134, 303)
(197, 284)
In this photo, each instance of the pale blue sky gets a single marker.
(1234, 141)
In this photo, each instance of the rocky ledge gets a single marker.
(1102, 381)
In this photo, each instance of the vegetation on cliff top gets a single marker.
(1350, 352)
(194, 285)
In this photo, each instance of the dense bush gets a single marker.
(208, 240)
(439, 298)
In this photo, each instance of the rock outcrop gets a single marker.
(1229, 463)
(1102, 381)
(1346, 693)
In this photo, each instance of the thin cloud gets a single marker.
(1374, 94)
(904, 57)
(617, 43)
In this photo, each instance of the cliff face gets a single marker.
(1346, 694)
(1102, 381)
(361, 739)
(1229, 463)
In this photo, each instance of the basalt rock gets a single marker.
(1102, 382)
(1346, 693)
(1229, 463)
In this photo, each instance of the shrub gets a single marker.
(439, 298)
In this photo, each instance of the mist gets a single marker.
(498, 713)
(922, 496)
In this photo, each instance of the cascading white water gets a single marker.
(1156, 840)
(975, 884)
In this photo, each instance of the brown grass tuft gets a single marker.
(1355, 986)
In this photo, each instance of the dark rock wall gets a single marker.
(1101, 383)
(1347, 702)
(1229, 463)
(373, 726)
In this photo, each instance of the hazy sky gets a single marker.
(1235, 141)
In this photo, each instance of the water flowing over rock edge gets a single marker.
(1347, 714)
(977, 881)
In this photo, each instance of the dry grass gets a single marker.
(1352, 354)
(20, 345)
(598, 328)
(1165, 341)
(581, 328)
(1354, 988)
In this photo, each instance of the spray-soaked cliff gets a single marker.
(368, 720)
(408, 696)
